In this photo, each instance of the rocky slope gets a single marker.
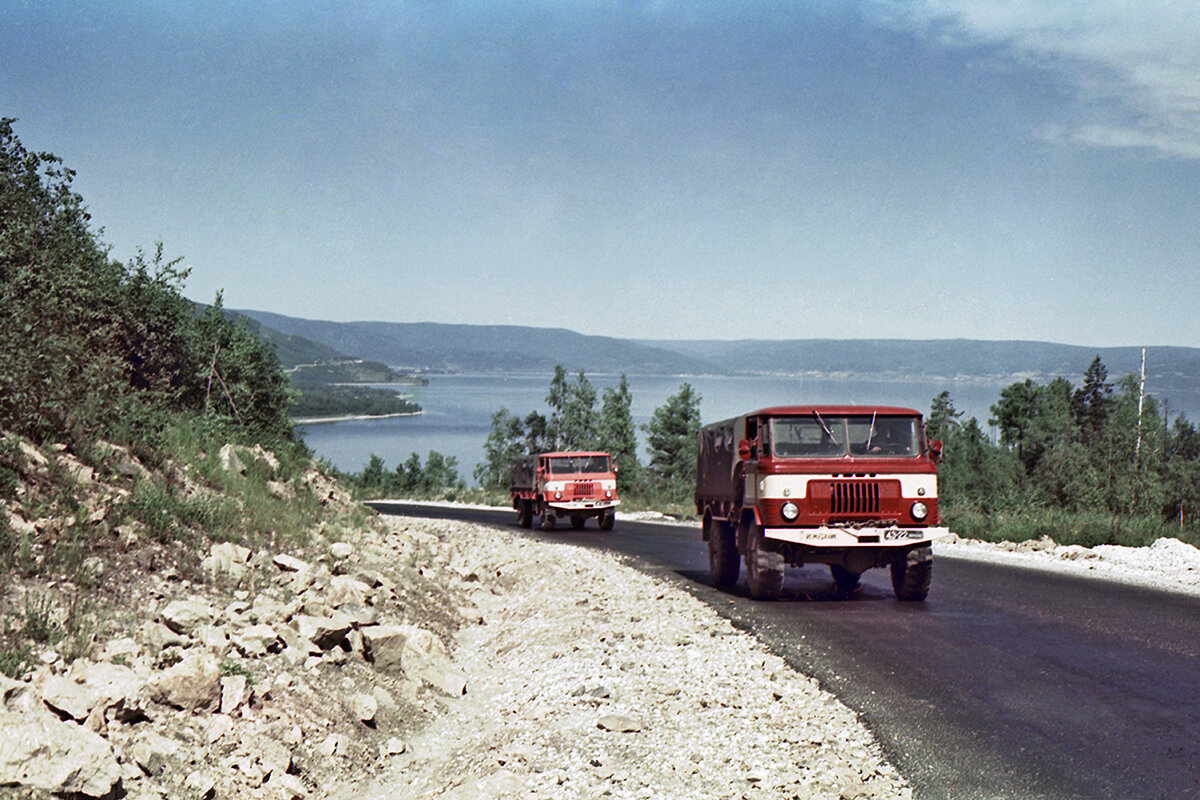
(412, 658)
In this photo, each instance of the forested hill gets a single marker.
(511, 348)
(949, 358)
(486, 348)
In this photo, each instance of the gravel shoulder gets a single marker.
(588, 678)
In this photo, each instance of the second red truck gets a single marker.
(575, 485)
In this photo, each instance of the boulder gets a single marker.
(153, 752)
(364, 707)
(290, 563)
(384, 645)
(619, 723)
(88, 687)
(191, 684)
(185, 616)
(234, 692)
(346, 591)
(324, 632)
(227, 558)
(40, 751)
(416, 652)
(257, 640)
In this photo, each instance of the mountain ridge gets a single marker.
(500, 349)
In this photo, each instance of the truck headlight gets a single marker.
(919, 511)
(558, 495)
(789, 511)
(608, 493)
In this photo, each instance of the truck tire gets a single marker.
(548, 520)
(723, 559)
(764, 569)
(577, 522)
(606, 519)
(525, 513)
(846, 580)
(911, 575)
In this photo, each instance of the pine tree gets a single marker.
(671, 439)
(1093, 401)
(617, 433)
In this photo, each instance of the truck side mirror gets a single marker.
(745, 450)
(935, 450)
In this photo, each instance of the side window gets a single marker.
(752, 435)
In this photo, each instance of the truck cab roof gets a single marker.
(834, 410)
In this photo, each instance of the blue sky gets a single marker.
(949, 168)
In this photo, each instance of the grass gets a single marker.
(1086, 529)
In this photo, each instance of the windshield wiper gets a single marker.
(871, 431)
(824, 427)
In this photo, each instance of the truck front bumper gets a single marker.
(582, 505)
(856, 537)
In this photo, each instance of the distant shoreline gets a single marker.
(350, 417)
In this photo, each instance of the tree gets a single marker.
(372, 474)
(671, 440)
(538, 438)
(578, 431)
(1013, 413)
(504, 443)
(1092, 402)
(441, 472)
(942, 422)
(617, 433)
(556, 401)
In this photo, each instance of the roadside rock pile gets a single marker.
(271, 692)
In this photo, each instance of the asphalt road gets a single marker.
(1005, 683)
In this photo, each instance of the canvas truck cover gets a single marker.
(523, 472)
(715, 456)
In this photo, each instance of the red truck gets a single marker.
(577, 485)
(852, 486)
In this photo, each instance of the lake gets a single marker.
(458, 409)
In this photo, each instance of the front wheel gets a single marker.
(607, 519)
(912, 574)
(764, 568)
(548, 520)
(723, 558)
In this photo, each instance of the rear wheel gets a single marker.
(912, 574)
(723, 559)
(846, 580)
(577, 522)
(764, 568)
(525, 513)
(606, 519)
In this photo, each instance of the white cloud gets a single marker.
(1137, 64)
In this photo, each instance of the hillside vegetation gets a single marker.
(99, 358)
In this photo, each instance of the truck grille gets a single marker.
(857, 497)
(583, 490)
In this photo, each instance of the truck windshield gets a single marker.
(811, 436)
(571, 465)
